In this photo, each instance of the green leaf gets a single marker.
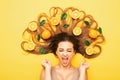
(42, 22)
(64, 15)
(42, 50)
(100, 30)
(38, 37)
(66, 25)
(86, 22)
(87, 43)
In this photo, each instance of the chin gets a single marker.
(65, 64)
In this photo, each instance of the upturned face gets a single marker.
(65, 52)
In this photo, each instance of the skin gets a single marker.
(64, 70)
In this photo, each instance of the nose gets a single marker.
(65, 53)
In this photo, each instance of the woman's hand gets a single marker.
(46, 64)
(84, 66)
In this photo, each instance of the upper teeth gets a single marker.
(65, 58)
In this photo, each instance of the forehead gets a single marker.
(65, 44)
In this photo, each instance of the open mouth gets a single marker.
(65, 60)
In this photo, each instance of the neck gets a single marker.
(65, 67)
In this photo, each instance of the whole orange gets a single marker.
(46, 34)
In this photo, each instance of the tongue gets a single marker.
(64, 61)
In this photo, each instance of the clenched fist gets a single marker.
(46, 64)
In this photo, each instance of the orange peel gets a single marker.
(93, 33)
(46, 34)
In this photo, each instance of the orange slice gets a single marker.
(99, 39)
(54, 21)
(31, 46)
(28, 46)
(32, 26)
(82, 14)
(77, 31)
(75, 14)
(25, 46)
(46, 34)
(93, 33)
(89, 50)
(96, 50)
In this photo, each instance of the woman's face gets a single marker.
(65, 52)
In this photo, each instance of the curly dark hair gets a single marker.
(52, 47)
(81, 30)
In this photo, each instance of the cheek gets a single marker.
(58, 54)
(72, 55)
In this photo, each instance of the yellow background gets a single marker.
(15, 16)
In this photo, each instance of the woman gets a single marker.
(78, 27)
(64, 47)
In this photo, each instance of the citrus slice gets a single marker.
(89, 50)
(99, 39)
(32, 26)
(96, 49)
(31, 46)
(82, 14)
(54, 21)
(77, 31)
(25, 46)
(93, 33)
(46, 34)
(75, 14)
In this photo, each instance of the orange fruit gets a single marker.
(31, 46)
(93, 33)
(82, 14)
(75, 14)
(25, 45)
(32, 26)
(99, 39)
(77, 31)
(96, 49)
(28, 45)
(46, 34)
(89, 50)
(54, 21)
